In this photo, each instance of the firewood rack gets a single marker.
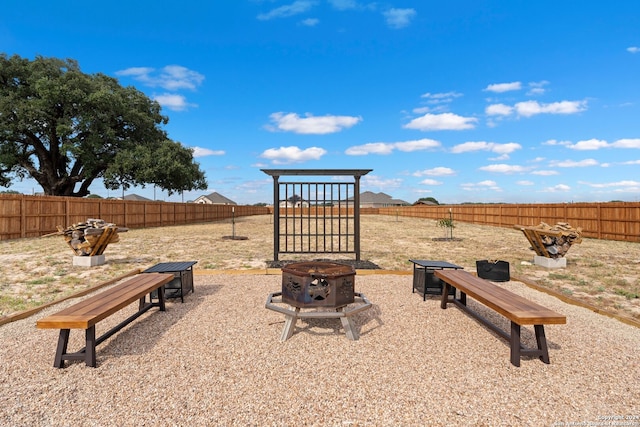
(538, 238)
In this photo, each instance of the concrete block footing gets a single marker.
(88, 261)
(550, 262)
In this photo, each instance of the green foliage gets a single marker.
(448, 225)
(445, 223)
(65, 128)
(627, 294)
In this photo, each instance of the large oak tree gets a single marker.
(65, 129)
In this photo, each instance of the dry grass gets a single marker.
(602, 273)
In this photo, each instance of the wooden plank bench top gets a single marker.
(519, 310)
(512, 306)
(88, 312)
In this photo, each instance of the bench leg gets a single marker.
(90, 347)
(515, 344)
(445, 294)
(161, 298)
(542, 343)
(61, 350)
(142, 304)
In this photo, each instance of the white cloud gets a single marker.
(503, 168)
(310, 22)
(556, 142)
(430, 182)
(574, 163)
(525, 182)
(545, 173)
(203, 152)
(318, 125)
(486, 146)
(416, 145)
(627, 143)
(537, 88)
(532, 108)
(374, 181)
(444, 121)
(136, 72)
(503, 87)
(295, 8)
(171, 77)
(425, 110)
(498, 110)
(385, 148)
(370, 148)
(482, 185)
(438, 98)
(560, 188)
(344, 4)
(399, 18)
(626, 183)
(633, 49)
(173, 101)
(175, 77)
(287, 155)
(590, 144)
(438, 171)
(596, 144)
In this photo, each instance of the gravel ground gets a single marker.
(217, 360)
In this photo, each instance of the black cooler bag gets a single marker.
(496, 271)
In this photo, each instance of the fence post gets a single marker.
(23, 217)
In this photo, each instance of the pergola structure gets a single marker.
(316, 217)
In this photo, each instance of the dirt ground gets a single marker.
(605, 274)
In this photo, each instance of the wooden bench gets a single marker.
(517, 309)
(85, 314)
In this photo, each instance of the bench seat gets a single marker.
(519, 310)
(88, 312)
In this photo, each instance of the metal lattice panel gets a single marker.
(316, 217)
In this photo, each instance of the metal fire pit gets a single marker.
(318, 286)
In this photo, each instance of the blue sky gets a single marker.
(461, 100)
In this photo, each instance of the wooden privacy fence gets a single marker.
(609, 221)
(33, 216)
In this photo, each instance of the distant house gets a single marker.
(425, 202)
(214, 199)
(135, 198)
(294, 201)
(369, 199)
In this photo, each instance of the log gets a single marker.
(551, 241)
(90, 237)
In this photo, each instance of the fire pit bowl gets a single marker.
(318, 284)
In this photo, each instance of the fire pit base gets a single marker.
(292, 314)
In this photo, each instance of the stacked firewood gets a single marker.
(558, 243)
(91, 237)
(552, 241)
